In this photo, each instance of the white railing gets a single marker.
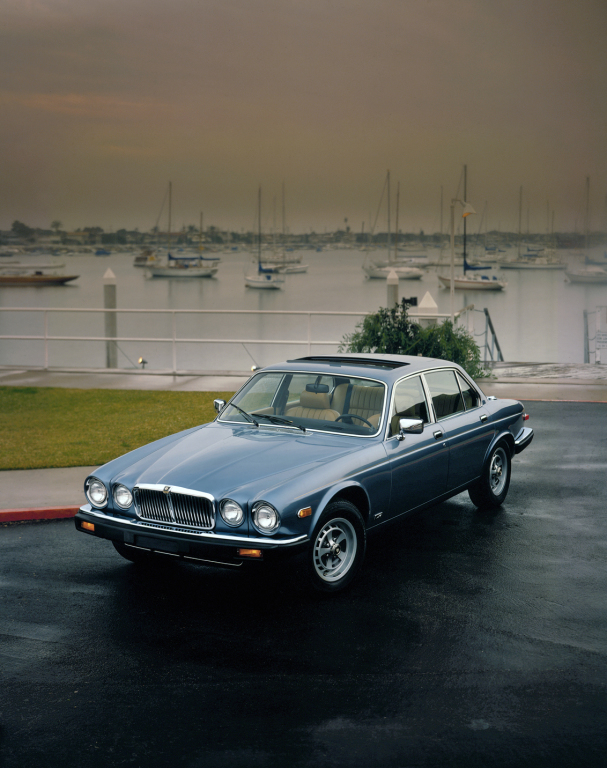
(465, 316)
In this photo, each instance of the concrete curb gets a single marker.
(50, 513)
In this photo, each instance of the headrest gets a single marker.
(314, 400)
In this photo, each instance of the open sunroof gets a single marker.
(378, 362)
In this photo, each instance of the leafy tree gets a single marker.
(55, 225)
(390, 330)
(21, 230)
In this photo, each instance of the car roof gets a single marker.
(384, 367)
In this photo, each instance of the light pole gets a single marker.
(468, 209)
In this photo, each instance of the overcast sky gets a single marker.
(102, 102)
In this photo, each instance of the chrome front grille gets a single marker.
(175, 506)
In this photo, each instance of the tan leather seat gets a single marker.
(364, 401)
(313, 405)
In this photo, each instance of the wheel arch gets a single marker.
(352, 492)
(501, 437)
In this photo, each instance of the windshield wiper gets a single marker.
(280, 420)
(247, 416)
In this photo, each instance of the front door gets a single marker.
(419, 463)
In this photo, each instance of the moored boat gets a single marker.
(589, 275)
(33, 277)
(474, 282)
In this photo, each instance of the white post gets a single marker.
(600, 342)
(174, 324)
(111, 325)
(452, 280)
(45, 340)
(392, 283)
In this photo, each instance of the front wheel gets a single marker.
(337, 547)
(491, 488)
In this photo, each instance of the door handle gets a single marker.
(484, 417)
(438, 434)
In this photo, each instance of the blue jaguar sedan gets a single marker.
(305, 459)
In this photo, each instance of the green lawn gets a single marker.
(53, 427)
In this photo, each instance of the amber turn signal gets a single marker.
(305, 512)
(87, 526)
(250, 553)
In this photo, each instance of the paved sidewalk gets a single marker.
(36, 494)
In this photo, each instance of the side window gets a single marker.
(444, 389)
(470, 395)
(409, 403)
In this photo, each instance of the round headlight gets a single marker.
(231, 512)
(265, 517)
(96, 492)
(122, 496)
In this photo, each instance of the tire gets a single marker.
(490, 491)
(140, 556)
(337, 547)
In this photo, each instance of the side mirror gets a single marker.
(219, 405)
(410, 426)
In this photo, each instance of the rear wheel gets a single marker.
(492, 488)
(337, 547)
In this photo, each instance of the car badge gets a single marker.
(166, 489)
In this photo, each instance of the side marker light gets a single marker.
(87, 526)
(250, 553)
(305, 512)
(526, 417)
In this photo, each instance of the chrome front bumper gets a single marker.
(208, 537)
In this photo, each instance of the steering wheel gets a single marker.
(354, 416)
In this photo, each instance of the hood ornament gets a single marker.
(166, 489)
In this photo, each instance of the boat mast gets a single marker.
(587, 222)
(396, 227)
(259, 227)
(465, 201)
(170, 196)
(200, 235)
(388, 184)
(520, 215)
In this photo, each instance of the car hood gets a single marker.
(222, 459)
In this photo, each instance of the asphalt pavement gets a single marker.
(469, 639)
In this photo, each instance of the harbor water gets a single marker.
(539, 317)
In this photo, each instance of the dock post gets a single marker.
(111, 324)
(392, 283)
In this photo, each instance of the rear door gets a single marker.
(464, 424)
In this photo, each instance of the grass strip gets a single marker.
(44, 427)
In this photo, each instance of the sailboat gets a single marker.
(472, 282)
(183, 266)
(263, 277)
(377, 269)
(288, 264)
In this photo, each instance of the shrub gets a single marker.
(392, 331)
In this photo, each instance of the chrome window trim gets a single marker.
(429, 405)
(460, 375)
(313, 429)
(138, 524)
(455, 371)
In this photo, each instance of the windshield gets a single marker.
(338, 404)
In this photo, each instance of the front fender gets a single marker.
(348, 490)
